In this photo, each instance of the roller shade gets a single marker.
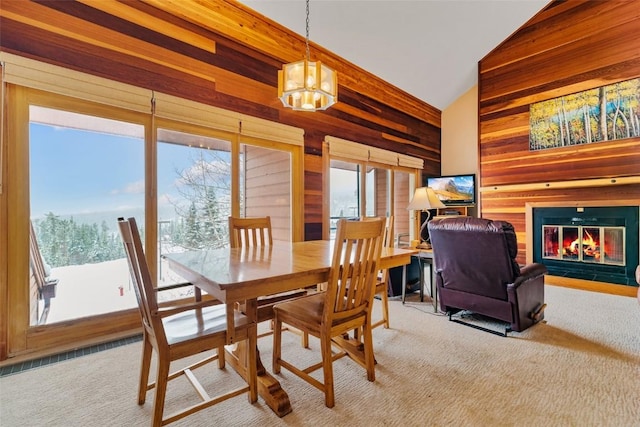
(52, 78)
(272, 131)
(355, 151)
(184, 110)
(410, 162)
(347, 149)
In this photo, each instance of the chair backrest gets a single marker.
(354, 269)
(387, 242)
(247, 232)
(141, 278)
(475, 255)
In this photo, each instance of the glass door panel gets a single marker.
(85, 172)
(377, 191)
(344, 192)
(404, 184)
(194, 196)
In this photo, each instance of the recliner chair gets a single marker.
(476, 270)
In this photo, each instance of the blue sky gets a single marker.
(76, 171)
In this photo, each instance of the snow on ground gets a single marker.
(91, 289)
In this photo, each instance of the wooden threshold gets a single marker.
(38, 354)
(590, 285)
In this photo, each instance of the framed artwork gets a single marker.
(602, 114)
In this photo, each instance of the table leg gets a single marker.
(404, 282)
(269, 388)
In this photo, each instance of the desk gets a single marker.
(427, 255)
(244, 274)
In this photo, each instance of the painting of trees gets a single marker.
(601, 114)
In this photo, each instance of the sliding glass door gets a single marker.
(84, 172)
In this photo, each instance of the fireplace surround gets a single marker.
(597, 243)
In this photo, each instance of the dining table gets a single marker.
(242, 275)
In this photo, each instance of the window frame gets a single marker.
(359, 154)
(21, 337)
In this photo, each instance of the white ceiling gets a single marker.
(428, 48)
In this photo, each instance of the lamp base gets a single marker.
(424, 245)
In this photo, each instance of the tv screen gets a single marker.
(454, 190)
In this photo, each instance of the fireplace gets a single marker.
(590, 243)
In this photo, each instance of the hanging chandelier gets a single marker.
(306, 85)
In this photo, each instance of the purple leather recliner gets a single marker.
(476, 271)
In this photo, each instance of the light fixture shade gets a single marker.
(424, 198)
(307, 86)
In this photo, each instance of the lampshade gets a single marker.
(424, 199)
(306, 85)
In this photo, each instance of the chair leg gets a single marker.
(327, 370)
(221, 357)
(161, 390)
(369, 358)
(277, 344)
(305, 340)
(251, 360)
(385, 309)
(144, 369)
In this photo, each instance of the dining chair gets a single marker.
(179, 330)
(382, 286)
(344, 306)
(255, 233)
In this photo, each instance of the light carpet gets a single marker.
(581, 367)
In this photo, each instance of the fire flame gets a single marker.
(589, 246)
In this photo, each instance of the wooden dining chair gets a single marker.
(181, 330)
(382, 286)
(254, 233)
(344, 306)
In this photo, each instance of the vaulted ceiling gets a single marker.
(428, 48)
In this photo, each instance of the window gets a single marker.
(81, 151)
(368, 181)
(344, 190)
(194, 195)
(85, 172)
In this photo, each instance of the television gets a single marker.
(454, 190)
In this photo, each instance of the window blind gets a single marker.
(52, 78)
(355, 151)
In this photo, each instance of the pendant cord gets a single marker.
(307, 38)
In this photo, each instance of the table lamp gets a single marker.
(424, 199)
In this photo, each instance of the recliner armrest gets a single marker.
(529, 272)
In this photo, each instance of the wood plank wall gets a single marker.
(221, 53)
(568, 47)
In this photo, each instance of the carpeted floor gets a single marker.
(579, 368)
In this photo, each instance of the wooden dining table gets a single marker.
(236, 275)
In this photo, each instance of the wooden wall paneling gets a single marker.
(240, 23)
(569, 46)
(614, 32)
(244, 93)
(553, 27)
(313, 196)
